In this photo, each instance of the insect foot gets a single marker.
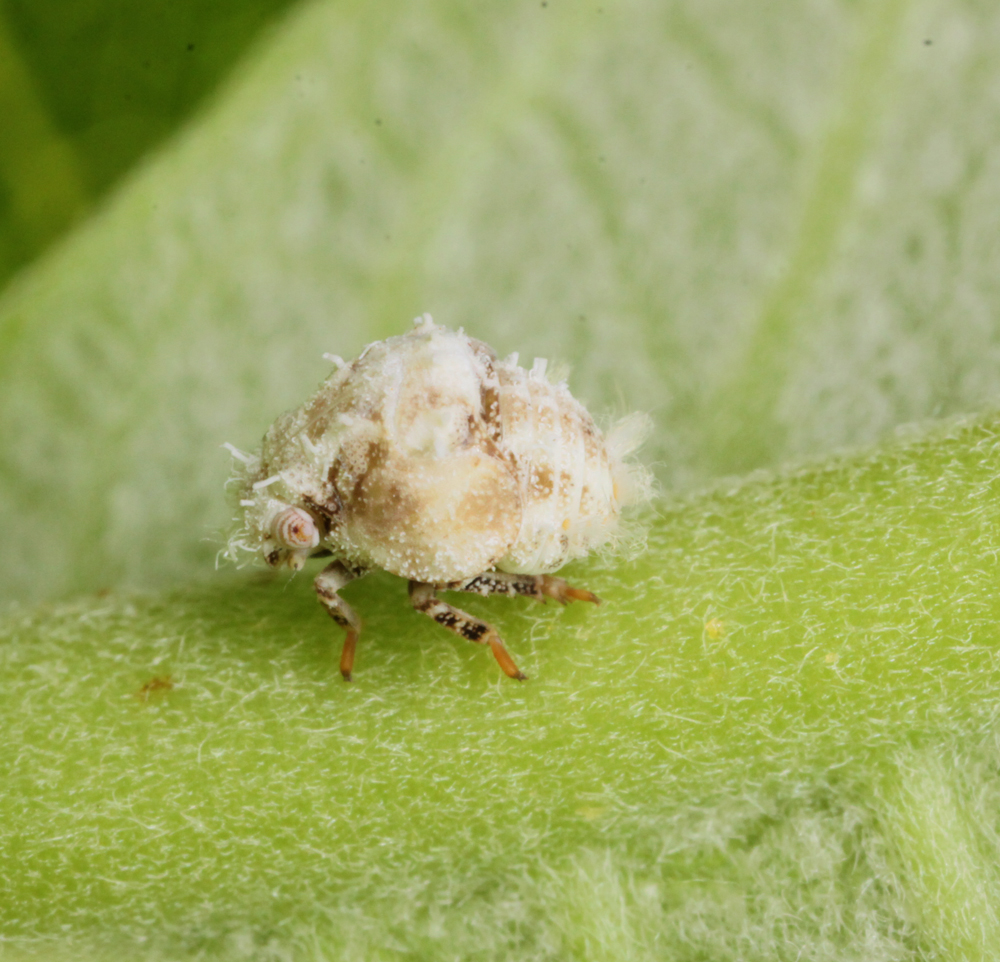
(433, 459)
(332, 578)
(424, 598)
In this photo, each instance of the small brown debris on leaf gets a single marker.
(155, 684)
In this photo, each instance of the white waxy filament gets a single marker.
(238, 454)
(257, 485)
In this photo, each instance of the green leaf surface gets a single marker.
(775, 739)
(771, 225)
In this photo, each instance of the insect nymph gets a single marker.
(429, 457)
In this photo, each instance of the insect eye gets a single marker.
(293, 528)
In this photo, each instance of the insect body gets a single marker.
(429, 457)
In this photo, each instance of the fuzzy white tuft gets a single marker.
(633, 481)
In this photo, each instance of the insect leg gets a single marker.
(424, 598)
(538, 587)
(328, 582)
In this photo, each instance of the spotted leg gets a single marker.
(538, 587)
(328, 582)
(424, 598)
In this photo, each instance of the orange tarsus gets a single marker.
(347, 654)
(581, 594)
(564, 593)
(503, 658)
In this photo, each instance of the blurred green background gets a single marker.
(87, 88)
(774, 226)
(771, 227)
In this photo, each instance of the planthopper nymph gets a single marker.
(433, 459)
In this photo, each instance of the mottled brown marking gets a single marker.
(539, 587)
(489, 406)
(475, 432)
(541, 478)
(473, 630)
(432, 397)
(446, 618)
(481, 435)
(385, 502)
(468, 502)
(329, 511)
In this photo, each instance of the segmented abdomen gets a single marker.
(562, 467)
